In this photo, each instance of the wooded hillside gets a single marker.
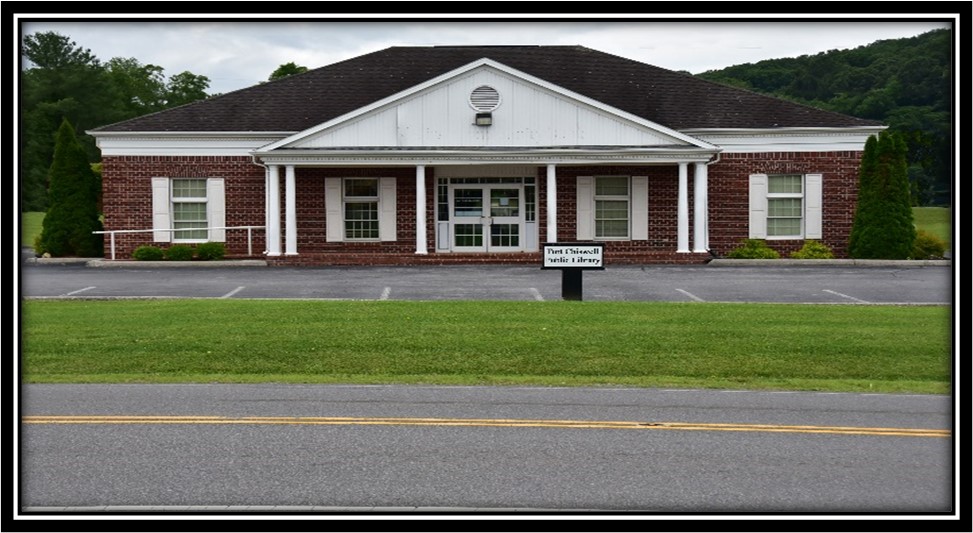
(905, 83)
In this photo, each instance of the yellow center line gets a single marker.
(480, 422)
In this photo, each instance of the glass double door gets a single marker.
(486, 218)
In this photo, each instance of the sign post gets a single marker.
(572, 259)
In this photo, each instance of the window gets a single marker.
(189, 210)
(361, 208)
(611, 207)
(786, 206)
(183, 209)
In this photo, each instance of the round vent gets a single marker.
(484, 99)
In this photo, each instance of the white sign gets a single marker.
(569, 255)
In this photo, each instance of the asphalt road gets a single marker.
(480, 449)
(316, 462)
(702, 283)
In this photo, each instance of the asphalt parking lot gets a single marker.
(825, 284)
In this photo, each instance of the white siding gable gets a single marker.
(529, 115)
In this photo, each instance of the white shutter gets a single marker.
(334, 220)
(640, 208)
(216, 209)
(813, 203)
(585, 196)
(386, 209)
(161, 216)
(758, 206)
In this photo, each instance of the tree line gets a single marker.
(62, 80)
(905, 83)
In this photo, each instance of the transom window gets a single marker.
(361, 208)
(189, 210)
(612, 207)
(785, 205)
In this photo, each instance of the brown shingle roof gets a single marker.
(672, 99)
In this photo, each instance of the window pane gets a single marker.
(784, 207)
(505, 235)
(361, 188)
(468, 235)
(611, 186)
(611, 228)
(189, 188)
(361, 220)
(189, 215)
(442, 201)
(790, 184)
(613, 209)
(467, 202)
(611, 218)
(504, 202)
(530, 203)
(783, 227)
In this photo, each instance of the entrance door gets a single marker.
(486, 218)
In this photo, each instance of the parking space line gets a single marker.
(72, 293)
(692, 296)
(846, 296)
(385, 293)
(231, 293)
(537, 294)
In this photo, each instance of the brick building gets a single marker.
(429, 155)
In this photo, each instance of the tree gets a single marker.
(60, 80)
(73, 214)
(185, 88)
(63, 80)
(883, 227)
(285, 70)
(139, 89)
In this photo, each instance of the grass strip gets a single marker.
(752, 346)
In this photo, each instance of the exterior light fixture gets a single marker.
(484, 119)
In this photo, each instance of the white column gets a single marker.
(700, 211)
(551, 204)
(273, 210)
(290, 212)
(682, 211)
(421, 245)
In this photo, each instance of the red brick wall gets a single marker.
(729, 190)
(127, 194)
(663, 195)
(312, 223)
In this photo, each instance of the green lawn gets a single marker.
(935, 220)
(31, 224)
(746, 346)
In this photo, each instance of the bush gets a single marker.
(753, 249)
(883, 225)
(39, 246)
(73, 216)
(148, 253)
(211, 251)
(179, 252)
(813, 250)
(928, 246)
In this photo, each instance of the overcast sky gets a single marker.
(235, 54)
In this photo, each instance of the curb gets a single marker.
(107, 263)
(885, 263)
